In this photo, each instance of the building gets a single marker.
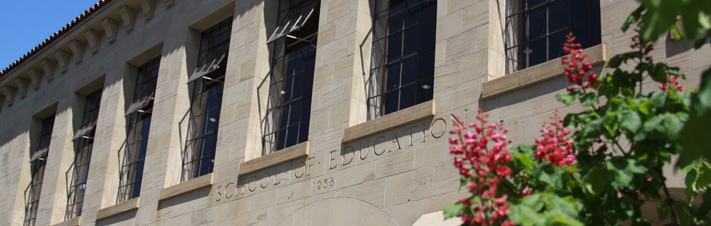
(281, 112)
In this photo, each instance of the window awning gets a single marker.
(84, 131)
(139, 104)
(42, 152)
(206, 68)
(294, 20)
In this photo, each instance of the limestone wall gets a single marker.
(388, 171)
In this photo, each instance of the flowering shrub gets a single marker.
(482, 167)
(595, 167)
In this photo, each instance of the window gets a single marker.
(206, 85)
(138, 117)
(83, 142)
(292, 73)
(536, 29)
(38, 161)
(402, 61)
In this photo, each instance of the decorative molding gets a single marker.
(110, 29)
(537, 74)
(297, 151)
(148, 7)
(168, 3)
(390, 121)
(187, 186)
(21, 84)
(71, 222)
(35, 78)
(94, 39)
(9, 95)
(128, 205)
(77, 51)
(48, 67)
(62, 60)
(128, 17)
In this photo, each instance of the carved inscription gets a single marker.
(374, 147)
(323, 184)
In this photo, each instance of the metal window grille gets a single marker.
(291, 78)
(535, 29)
(79, 170)
(402, 56)
(38, 162)
(206, 102)
(133, 152)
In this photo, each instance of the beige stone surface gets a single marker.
(126, 206)
(394, 170)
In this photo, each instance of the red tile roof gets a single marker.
(54, 36)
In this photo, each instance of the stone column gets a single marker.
(53, 200)
(102, 181)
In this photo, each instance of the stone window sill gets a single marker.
(206, 180)
(281, 156)
(389, 121)
(536, 74)
(72, 222)
(128, 205)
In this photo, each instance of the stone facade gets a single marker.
(387, 171)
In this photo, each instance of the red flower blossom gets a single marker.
(481, 157)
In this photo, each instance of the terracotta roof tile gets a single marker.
(54, 36)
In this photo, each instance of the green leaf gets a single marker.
(525, 161)
(690, 182)
(566, 98)
(632, 18)
(589, 99)
(615, 61)
(704, 180)
(598, 180)
(694, 137)
(629, 120)
(594, 128)
(660, 73)
(672, 125)
(453, 210)
(659, 98)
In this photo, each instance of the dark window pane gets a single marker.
(391, 102)
(397, 15)
(559, 13)
(407, 96)
(536, 23)
(583, 35)
(282, 139)
(429, 11)
(304, 131)
(409, 70)
(284, 116)
(298, 86)
(426, 65)
(394, 46)
(412, 15)
(534, 3)
(412, 41)
(287, 95)
(295, 112)
(427, 31)
(555, 46)
(292, 135)
(305, 109)
(393, 78)
(582, 11)
(424, 90)
(537, 52)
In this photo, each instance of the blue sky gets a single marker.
(26, 23)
